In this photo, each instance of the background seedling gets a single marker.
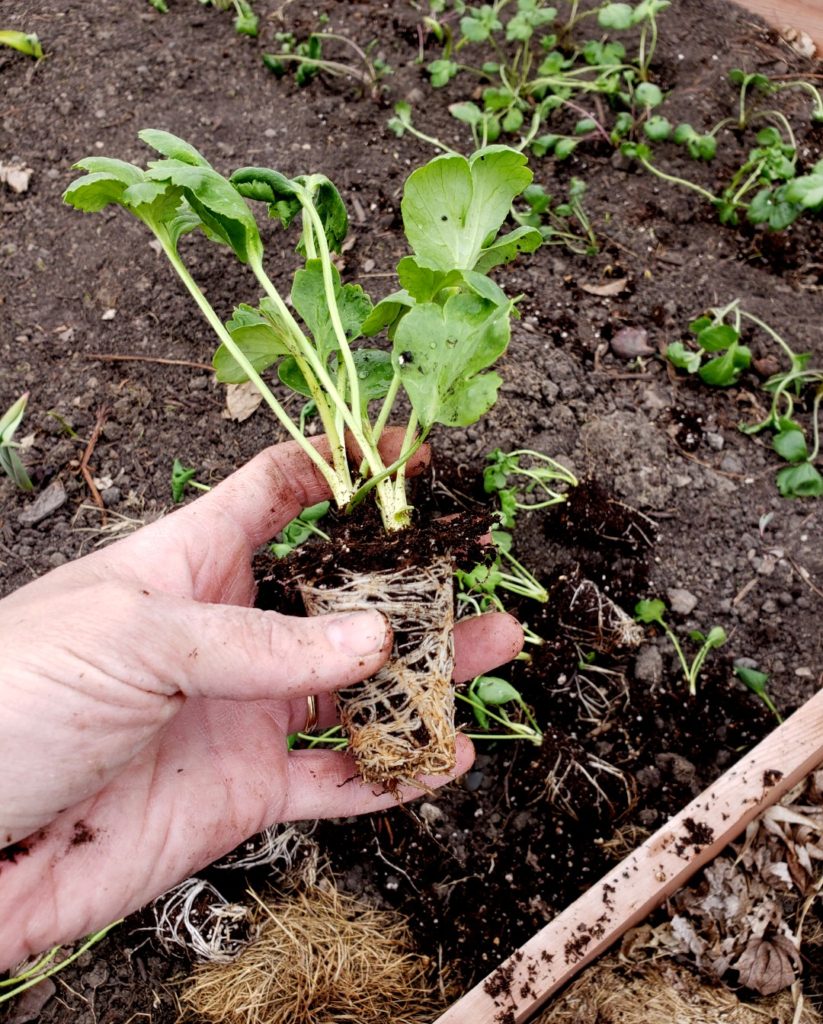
(766, 188)
(310, 60)
(9, 459)
(299, 530)
(25, 42)
(181, 478)
(720, 331)
(652, 612)
(45, 966)
(557, 223)
(756, 682)
(529, 66)
(486, 696)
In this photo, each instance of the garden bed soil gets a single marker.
(675, 501)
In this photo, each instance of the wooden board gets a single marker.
(641, 882)
(806, 15)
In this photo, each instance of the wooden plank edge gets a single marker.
(643, 880)
(802, 15)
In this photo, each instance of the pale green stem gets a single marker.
(320, 372)
(37, 978)
(771, 332)
(386, 408)
(240, 358)
(677, 181)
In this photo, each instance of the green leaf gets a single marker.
(330, 208)
(261, 336)
(468, 113)
(716, 637)
(271, 187)
(23, 42)
(10, 462)
(375, 373)
(807, 191)
(658, 128)
(650, 611)
(292, 376)
(216, 202)
(513, 120)
(180, 476)
(507, 247)
(726, 369)
(683, 358)
(453, 207)
(756, 681)
(493, 690)
(440, 352)
(486, 288)
(648, 95)
(800, 481)
(565, 147)
(616, 16)
(790, 444)
(441, 72)
(387, 313)
(93, 192)
(308, 295)
(497, 99)
(245, 21)
(422, 283)
(716, 337)
(173, 147)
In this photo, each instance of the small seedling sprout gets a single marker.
(181, 478)
(24, 42)
(9, 459)
(651, 612)
(756, 682)
(45, 967)
(486, 695)
(720, 331)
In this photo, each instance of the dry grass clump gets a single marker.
(663, 992)
(321, 957)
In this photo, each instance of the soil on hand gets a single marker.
(675, 502)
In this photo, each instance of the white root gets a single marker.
(401, 721)
(195, 918)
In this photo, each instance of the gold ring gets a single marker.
(311, 713)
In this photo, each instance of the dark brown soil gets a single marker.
(674, 496)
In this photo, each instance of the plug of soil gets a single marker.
(400, 723)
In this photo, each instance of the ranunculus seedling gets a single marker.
(9, 459)
(24, 42)
(719, 332)
(447, 325)
(652, 612)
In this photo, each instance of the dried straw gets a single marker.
(321, 957)
(663, 992)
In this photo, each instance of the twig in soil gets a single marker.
(744, 592)
(104, 357)
(102, 415)
(804, 574)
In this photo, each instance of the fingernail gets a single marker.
(358, 633)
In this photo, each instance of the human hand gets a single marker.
(144, 708)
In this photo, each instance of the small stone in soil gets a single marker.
(45, 504)
(681, 602)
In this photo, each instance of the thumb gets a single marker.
(235, 653)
